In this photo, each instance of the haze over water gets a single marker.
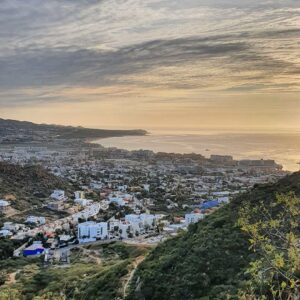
(282, 147)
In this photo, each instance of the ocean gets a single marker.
(282, 147)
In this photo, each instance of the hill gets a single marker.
(211, 259)
(26, 186)
(207, 262)
(12, 131)
(96, 272)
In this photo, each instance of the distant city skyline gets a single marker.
(154, 64)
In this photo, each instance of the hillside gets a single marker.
(210, 260)
(207, 262)
(27, 185)
(12, 131)
(96, 272)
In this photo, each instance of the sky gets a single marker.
(152, 64)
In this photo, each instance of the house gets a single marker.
(224, 193)
(5, 233)
(144, 219)
(133, 218)
(89, 211)
(35, 249)
(120, 199)
(4, 205)
(122, 188)
(92, 231)
(35, 220)
(116, 200)
(83, 202)
(174, 228)
(57, 205)
(79, 195)
(96, 186)
(146, 187)
(58, 195)
(193, 218)
(65, 240)
(223, 199)
(12, 226)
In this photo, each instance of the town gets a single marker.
(137, 197)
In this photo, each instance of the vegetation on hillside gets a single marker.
(26, 186)
(274, 233)
(96, 272)
(215, 259)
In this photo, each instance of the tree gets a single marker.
(50, 296)
(274, 233)
(3, 277)
(10, 294)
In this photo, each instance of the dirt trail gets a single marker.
(129, 277)
(12, 278)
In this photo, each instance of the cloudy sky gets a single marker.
(184, 64)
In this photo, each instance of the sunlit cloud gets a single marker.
(147, 52)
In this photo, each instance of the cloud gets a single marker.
(196, 58)
(136, 45)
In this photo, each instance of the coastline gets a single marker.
(240, 146)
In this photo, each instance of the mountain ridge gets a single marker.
(9, 128)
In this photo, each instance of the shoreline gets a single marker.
(207, 145)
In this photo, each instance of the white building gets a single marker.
(113, 225)
(120, 199)
(146, 187)
(92, 231)
(174, 228)
(79, 195)
(58, 195)
(117, 200)
(5, 233)
(144, 219)
(136, 224)
(125, 228)
(223, 199)
(133, 218)
(149, 219)
(141, 223)
(83, 202)
(12, 226)
(193, 218)
(122, 188)
(4, 205)
(223, 193)
(96, 185)
(35, 220)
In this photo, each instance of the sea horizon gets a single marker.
(283, 147)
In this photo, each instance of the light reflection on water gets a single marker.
(283, 147)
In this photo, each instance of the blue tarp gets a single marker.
(28, 252)
(209, 204)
